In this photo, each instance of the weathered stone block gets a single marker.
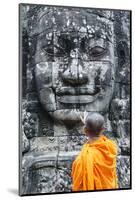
(71, 143)
(44, 144)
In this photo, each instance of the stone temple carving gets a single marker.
(73, 60)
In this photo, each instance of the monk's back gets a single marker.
(95, 166)
(104, 169)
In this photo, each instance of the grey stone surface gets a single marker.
(25, 143)
(73, 60)
(49, 173)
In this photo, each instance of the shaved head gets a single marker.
(94, 123)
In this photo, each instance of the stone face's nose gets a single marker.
(75, 74)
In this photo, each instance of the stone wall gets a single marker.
(49, 146)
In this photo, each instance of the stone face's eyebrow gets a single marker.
(100, 32)
(95, 33)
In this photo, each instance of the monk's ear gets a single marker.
(85, 130)
(102, 130)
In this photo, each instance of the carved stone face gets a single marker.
(74, 63)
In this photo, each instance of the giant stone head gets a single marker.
(74, 62)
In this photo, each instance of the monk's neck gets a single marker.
(93, 139)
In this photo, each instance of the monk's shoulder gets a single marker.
(112, 142)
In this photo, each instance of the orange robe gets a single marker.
(95, 166)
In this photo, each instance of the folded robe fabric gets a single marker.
(95, 166)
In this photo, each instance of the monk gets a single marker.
(95, 166)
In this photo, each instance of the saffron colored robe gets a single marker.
(95, 166)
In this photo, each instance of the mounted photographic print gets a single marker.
(75, 99)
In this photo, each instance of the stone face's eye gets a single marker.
(48, 50)
(53, 50)
(93, 47)
(96, 46)
(97, 51)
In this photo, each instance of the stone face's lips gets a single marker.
(78, 90)
(77, 99)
